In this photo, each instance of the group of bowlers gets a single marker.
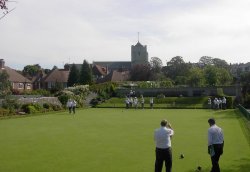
(217, 103)
(71, 105)
(163, 151)
(131, 102)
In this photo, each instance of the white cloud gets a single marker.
(52, 33)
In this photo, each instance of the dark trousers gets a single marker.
(161, 156)
(218, 150)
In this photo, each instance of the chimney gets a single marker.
(2, 63)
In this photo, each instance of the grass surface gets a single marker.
(117, 140)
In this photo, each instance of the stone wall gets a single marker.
(39, 100)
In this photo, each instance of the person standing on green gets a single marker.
(163, 150)
(215, 144)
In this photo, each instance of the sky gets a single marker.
(52, 33)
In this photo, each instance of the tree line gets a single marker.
(207, 72)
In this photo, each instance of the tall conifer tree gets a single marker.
(85, 73)
(73, 76)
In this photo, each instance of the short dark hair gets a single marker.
(164, 122)
(211, 121)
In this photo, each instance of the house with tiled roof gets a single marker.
(18, 82)
(115, 76)
(56, 77)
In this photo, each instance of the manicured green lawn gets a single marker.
(117, 140)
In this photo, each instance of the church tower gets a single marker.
(139, 54)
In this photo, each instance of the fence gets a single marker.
(244, 111)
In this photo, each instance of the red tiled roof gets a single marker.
(57, 75)
(100, 69)
(14, 76)
(115, 76)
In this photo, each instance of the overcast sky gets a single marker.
(56, 32)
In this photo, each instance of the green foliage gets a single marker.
(29, 108)
(5, 88)
(46, 106)
(41, 92)
(166, 84)
(31, 70)
(104, 90)
(140, 73)
(63, 98)
(195, 77)
(4, 112)
(85, 74)
(73, 76)
(78, 93)
(176, 67)
(220, 92)
(11, 104)
(211, 75)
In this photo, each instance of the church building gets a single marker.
(139, 56)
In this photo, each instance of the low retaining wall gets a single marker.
(38, 100)
(244, 111)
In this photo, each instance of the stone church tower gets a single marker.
(139, 54)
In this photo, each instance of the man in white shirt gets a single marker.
(215, 144)
(162, 137)
(69, 105)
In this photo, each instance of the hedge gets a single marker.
(168, 102)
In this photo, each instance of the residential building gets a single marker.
(57, 77)
(18, 82)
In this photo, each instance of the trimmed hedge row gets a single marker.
(168, 102)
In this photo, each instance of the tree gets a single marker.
(206, 60)
(31, 70)
(73, 76)
(4, 7)
(140, 73)
(220, 63)
(245, 81)
(196, 77)
(176, 67)
(210, 73)
(156, 64)
(224, 76)
(85, 74)
(5, 87)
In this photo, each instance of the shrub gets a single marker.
(94, 102)
(11, 104)
(46, 105)
(31, 108)
(56, 107)
(4, 112)
(160, 96)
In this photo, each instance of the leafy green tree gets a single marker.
(245, 82)
(224, 76)
(73, 76)
(140, 73)
(5, 87)
(31, 70)
(196, 77)
(211, 77)
(206, 60)
(156, 64)
(85, 74)
(176, 67)
(220, 63)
